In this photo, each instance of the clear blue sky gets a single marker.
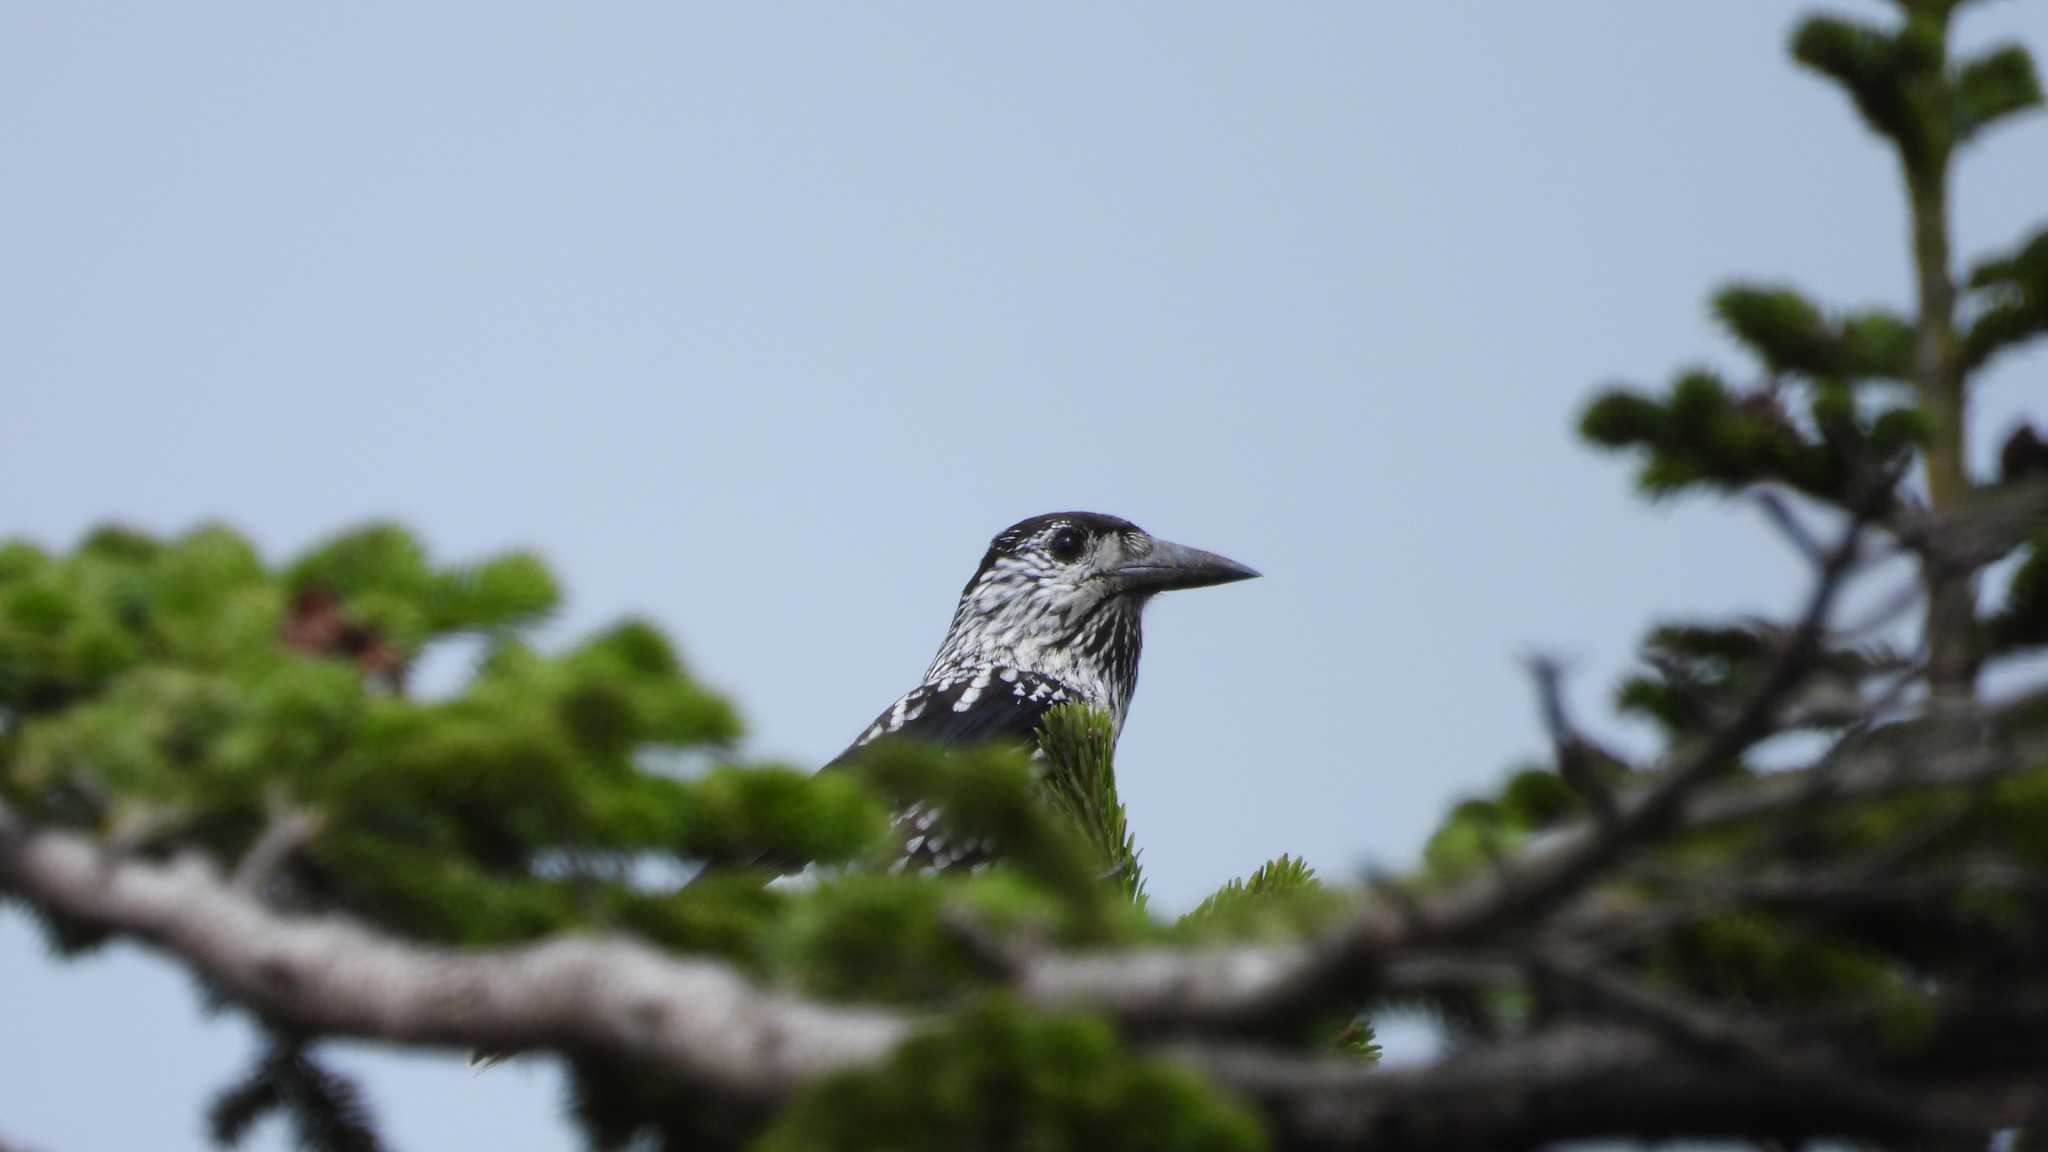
(761, 319)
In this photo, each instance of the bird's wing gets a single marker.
(992, 704)
(987, 705)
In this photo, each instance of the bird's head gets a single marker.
(1058, 592)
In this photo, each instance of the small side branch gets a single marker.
(1789, 525)
(290, 829)
(1578, 761)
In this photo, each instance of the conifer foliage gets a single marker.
(228, 759)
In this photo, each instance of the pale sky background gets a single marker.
(760, 320)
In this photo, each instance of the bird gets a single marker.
(1052, 615)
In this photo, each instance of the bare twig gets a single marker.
(1578, 761)
(1425, 974)
(1966, 539)
(1788, 525)
(1564, 1084)
(1867, 884)
(1888, 612)
(290, 829)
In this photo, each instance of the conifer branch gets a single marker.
(1080, 782)
(700, 1022)
(327, 976)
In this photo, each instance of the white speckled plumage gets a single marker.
(1053, 613)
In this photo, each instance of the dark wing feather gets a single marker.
(989, 705)
(995, 704)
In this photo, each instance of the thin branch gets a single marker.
(1865, 771)
(289, 830)
(1898, 761)
(1968, 538)
(1801, 1066)
(1574, 1083)
(1431, 975)
(1867, 885)
(1577, 759)
(1888, 612)
(1789, 525)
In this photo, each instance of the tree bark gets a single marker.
(1951, 621)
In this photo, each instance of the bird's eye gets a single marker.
(1066, 545)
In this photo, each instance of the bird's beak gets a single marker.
(1166, 566)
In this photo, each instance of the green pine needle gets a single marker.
(1279, 876)
(1080, 783)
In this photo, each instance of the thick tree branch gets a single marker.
(700, 1020)
(695, 1019)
